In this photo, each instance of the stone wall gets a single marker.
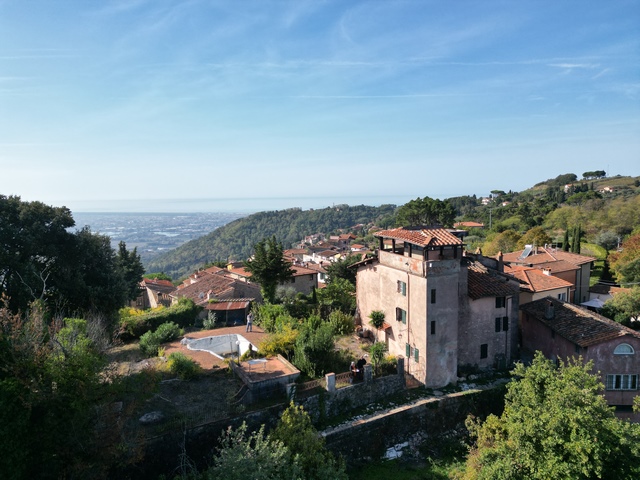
(345, 400)
(367, 439)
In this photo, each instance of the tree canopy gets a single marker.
(426, 211)
(626, 263)
(556, 424)
(72, 272)
(623, 307)
(268, 267)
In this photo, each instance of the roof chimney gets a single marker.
(500, 262)
(549, 312)
(546, 271)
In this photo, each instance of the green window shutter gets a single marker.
(416, 355)
(407, 350)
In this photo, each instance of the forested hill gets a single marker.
(235, 241)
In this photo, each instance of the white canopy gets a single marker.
(594, 303)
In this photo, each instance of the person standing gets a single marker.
(249, 322)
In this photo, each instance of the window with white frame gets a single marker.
(622, 382)
(624, 349)
(402, 288)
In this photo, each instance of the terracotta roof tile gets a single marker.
(577, 324)
(487, 283)
(161, 286)
(469, 224)
(545, 255)
(535, 280)
(424, 237)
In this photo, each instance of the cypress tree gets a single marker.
(565, 241)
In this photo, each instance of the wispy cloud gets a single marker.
(571, 66)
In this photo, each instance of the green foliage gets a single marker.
(340, 269)
(131, 269)
(51, 393)
(268, 267)
(254, 456)
(607, 240)
(506, 241)
(183, 314)
(182, 366)
(426, 211)
(626, 263)
(377, 352)
(594, 174)
(236, 239)
(623, 307)
(42, 259)
(314, 350)
(339, 294)
(341, 323)
(150, 341)
(377, 318)
(281, 342)
(272, 318)
(535, 236)
(149, 344)
(556, 424)
(168, 331)
(297, 434)
(209, 323)
(158, 276)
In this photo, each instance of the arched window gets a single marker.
(624, 349)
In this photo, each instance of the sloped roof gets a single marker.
(469, 224)
(229, 304)
(577, 324)
(208, 284)
(535, 280)
(424, 237)
(483, 282)
(160, 286)
(545, 255)
(558, 266)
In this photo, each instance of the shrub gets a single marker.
(149, 344)
(341, 323)
(182, 366)
(209, 323)
(282, 342)
(182, 314)
(168, 331)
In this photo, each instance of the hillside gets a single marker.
(235, 241)
(609, 204)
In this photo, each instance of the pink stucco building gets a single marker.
(561, 330)
(439, 313)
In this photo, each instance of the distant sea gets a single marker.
(155, 226)
(235, 205)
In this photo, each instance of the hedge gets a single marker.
(183, 314)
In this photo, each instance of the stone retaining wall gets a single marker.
(368, 438)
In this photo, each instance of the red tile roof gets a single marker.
(217, 286)
(577, 324)
(229, 304)
(535, 280)
(469, 224)
(424, 237)
(161, 286)
(545, 255)
(487, 283)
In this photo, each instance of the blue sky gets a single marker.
(118, 105)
